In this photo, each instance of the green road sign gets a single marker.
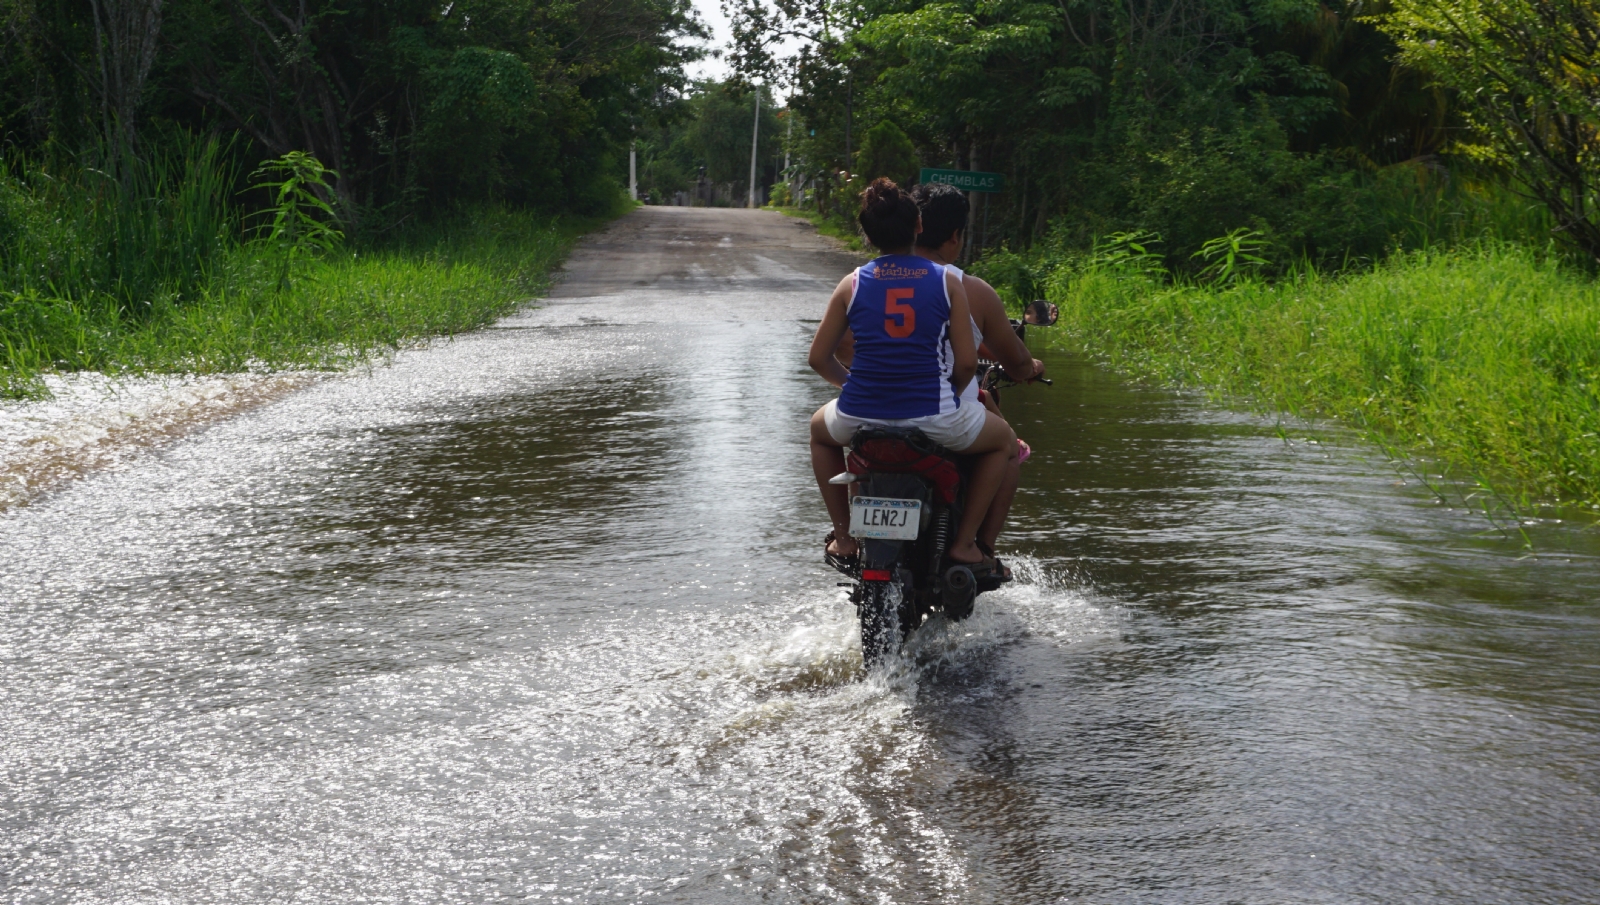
(965, 180)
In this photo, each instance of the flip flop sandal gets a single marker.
(845, 564)
(999, 569)
(988, 565)
(1023, 451)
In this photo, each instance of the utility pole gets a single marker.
(788, 142)
(633, 170)
(849, 116)
(755, 141)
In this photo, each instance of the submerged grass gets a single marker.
(1486, 358)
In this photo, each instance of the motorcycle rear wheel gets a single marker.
(884, 616)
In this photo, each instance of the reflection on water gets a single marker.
(537, 616)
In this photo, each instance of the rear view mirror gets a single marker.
(1040, 313)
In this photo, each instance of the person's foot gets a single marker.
(968, 554)
(1001, 569)
(843, 549)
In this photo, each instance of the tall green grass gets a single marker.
(1408, 207)
(1424, 208)
(146, 269)
(1483, 357)
(135, 232)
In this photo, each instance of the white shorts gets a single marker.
(954, 431)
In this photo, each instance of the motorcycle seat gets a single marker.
(905, 450)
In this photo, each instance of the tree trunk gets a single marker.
(125, 32)
(974, 201)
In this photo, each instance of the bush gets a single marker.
(1524, 72)
(1208, 182)
(887, 151)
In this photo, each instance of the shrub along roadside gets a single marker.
(442, 278)
(1486, 358)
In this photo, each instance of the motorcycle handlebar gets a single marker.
(994, 365)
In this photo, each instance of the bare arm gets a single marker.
(846, 350)
(962, 342)
(835, 322)
(1007, 349)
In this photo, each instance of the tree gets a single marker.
(414, 103)
(1098, 108)
(719, 134)
(887, 151)
(709, 137)
(1528, 75)
(125, 38)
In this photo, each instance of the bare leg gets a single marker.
(995, 445)
(989, 402)
(827, 460)
(995, 519)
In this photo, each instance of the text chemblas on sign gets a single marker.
(965, 180)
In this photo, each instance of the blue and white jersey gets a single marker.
(900, 315)
(970, 392)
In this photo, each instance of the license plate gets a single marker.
(885, 519)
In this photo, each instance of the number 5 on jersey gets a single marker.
(895, 306)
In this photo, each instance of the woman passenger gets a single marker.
(914, 355)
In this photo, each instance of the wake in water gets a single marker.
(846, 768)
(92, 422)
(825, 652)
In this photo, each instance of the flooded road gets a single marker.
(537, 615)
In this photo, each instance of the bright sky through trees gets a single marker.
(711, 67)
(716, 68)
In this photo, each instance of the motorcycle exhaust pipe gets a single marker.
(960, 592)
(960, 580)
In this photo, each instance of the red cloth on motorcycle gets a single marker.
(898, 456)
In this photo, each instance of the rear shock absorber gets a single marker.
(941, 536)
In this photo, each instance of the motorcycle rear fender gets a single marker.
(880, 554)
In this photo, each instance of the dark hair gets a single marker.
(888, 215)
(944, 210)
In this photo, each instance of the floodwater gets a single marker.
(537, 615)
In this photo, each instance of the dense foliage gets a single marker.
(1528, 75)
(450, 274)
(412, 105)
(1182, 118)
(204, 184)
(706, 154)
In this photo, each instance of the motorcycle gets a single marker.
(906, 500)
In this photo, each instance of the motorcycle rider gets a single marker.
(944, 210)
(914, 356)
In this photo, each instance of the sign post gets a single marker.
(966, 180)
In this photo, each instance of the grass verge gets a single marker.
(450, 276)
(1485, 358)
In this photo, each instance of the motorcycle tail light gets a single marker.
(874, 574)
